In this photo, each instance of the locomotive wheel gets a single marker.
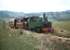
(38, 30)
(46, 30)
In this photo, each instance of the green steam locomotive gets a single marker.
(34, 23)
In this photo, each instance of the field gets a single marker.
(14, 40)
(62, 28)
(62, 24)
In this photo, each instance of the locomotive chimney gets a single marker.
(45, 17)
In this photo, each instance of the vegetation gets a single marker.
(62, 28)
(14, 40)
(62, 24)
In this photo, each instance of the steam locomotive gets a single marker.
(33, 23)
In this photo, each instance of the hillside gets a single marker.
(6, 14)
(63, 15)
(60, 16)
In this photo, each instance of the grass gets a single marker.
(14, 41)
(62, 24)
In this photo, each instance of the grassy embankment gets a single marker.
(62, 28)
(14, 41)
